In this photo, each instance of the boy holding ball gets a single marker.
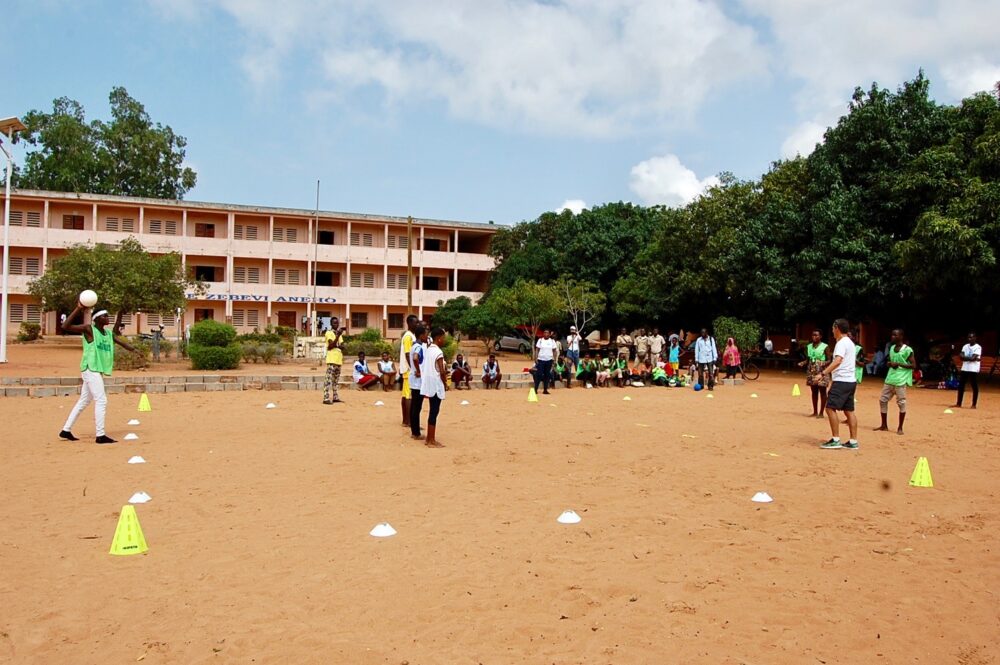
(97, 362)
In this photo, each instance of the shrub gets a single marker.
(370, 341)
(450, 348)
(284, 332)
(260, 338)
(745, 333)
(214, 357)
(29, 332)
(125, 361)
(249, 352)
(212, 333)
(167, 347)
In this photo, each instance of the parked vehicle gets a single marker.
(513, 343)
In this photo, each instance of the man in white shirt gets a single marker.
(706, 355)
(656, 343)
(573, 346)
(972, 354)
(545, 355)
(842, 389)
(641, 345)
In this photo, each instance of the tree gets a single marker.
(127, 278)
(746, 334)
(581, 300)
(449, 314)
(526, 304)
(484, 323)
(129, 156)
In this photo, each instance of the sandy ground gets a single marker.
(259, 545)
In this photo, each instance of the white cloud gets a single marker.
(664, 180)
(803, 139)
(575, 206)
(972, 76)
(596, 67)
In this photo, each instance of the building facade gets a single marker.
(261, 266)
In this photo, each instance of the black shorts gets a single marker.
(841, 396)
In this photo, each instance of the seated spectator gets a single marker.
(364, 378)
(461, 372)
(387, 372)
(604, 370)
(659, 376)
(491, 373)
(586, 370)
(620, 371)
(564, 370)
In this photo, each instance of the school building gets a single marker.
(260, 265)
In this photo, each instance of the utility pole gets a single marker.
(409, 265)
(315, 322)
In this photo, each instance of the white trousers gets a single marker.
(93, 390)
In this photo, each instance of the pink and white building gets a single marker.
(259, 264)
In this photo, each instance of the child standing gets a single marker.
(433, 383)
(416, 378)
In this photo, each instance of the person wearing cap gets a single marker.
(97, 362)
(573, 346)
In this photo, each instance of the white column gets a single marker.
(142, 220)
(93, 230)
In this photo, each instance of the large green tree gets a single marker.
(127, 279)
(129, 155)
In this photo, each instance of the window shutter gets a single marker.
(112, 224)
(251, 233)
(16, 312)
(126, 319)
(390, 281)
(278, 235)
(238, 232)
(368, 240)
(239, 317)
(34, 314)
(291, 235)
(240, 274)
(156, 226)
(253, 275)
(355, 238)
(16, 265)
(253, 318)
(35, 220)
(369, 280)
(293, 277)
(32, 266)
(391, 241)
(128, 225)
(279, 276)
(355, 280)
(16, 218)
(153, 319)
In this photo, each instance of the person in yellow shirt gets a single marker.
(334, 359)
(405, 346)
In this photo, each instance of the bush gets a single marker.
(370, 341)
(260, 338)
(450, 348)
(267, 353)
(167, 347)
(745, 333)
(284, 332)
(29, 332)
(212, 333)
(214, 357)
(125, 361)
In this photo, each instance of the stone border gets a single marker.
(36, 386)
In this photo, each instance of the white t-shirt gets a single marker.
(971, 350)
(573, 342)
(430, 380)
(845, 372)
(360, 370)
(546, 347)
(416, 351)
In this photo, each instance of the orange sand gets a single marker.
(259, 545)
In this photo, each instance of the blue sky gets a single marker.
(487, 110)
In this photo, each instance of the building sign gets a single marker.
(239, 298)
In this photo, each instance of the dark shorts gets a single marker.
(841, 396)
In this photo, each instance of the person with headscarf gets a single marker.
(731, 359)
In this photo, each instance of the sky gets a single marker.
(487, 110)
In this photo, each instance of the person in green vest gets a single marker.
(97, 362)
(817, 358)
(900, 376)
(859, 355)
(659, 376)
(586, 370)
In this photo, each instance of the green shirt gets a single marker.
(816, 354)
(98, 355)
(898, 376)
(859, 355)
(658, 373)
(585, 366)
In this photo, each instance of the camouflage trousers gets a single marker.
(331, 383)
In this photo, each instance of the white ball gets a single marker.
(88, 298)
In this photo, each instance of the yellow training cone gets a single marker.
(128, 534)
(144, 403)
(532, 395)
(922, 474)
(948, 411)
(795, 390)
(753, 395)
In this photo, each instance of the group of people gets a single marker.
(644, 359)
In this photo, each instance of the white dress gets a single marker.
(430, 380)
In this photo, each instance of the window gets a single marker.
(396, 321)
(285, 235)
(327, 278)
(16, 218)
(120, 224)
(362, 239)
(245, 232)
(239, 317)
(112, 224)
(203, 230)
(126, 319)
(206, 273)
(432, 284)
(325, 238)
(170, 227)
(395, 281)
(21, 313)
(34, 220)
(166, 320)
(203, 314)
(73, 222)
(128, 225)
(253, 318)
(244, 275)
(291, 235)
(280, 276)
(363, 279)
(398, 242)
(278, 235)
(32, 266)
(293, 276)
(359, 320)
(156, 226)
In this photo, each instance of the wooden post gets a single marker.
(409, 265)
